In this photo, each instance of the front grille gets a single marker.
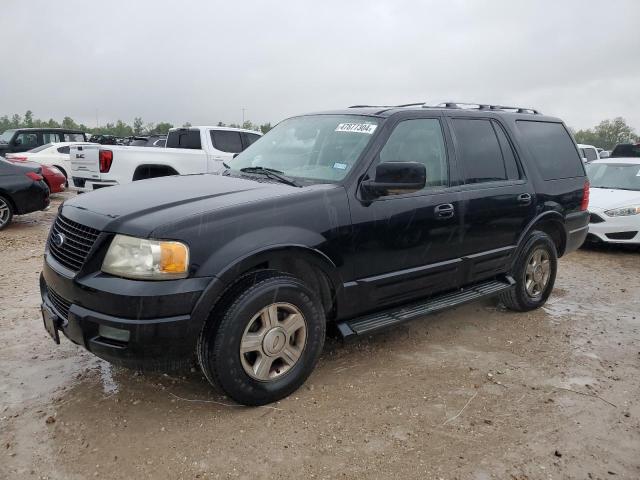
(76, 244)
(621, 235)
(595, 218)
(60, 304)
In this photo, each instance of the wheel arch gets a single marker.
(311, 266)
(143, 171)
(553, 224)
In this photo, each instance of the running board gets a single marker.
(404, 313)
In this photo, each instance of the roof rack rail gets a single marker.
(416, 104)
(484, 106)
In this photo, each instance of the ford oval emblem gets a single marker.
(58, 240)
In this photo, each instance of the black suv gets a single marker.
(23, 139)
(362, 218)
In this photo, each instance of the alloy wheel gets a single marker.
(537, 273)
(273, 341)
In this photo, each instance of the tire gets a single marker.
(532, 288)
(280, 324)
(6, 212)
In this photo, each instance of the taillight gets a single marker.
(105, 158)
(19, 159)
(585, 196)
(34, 176)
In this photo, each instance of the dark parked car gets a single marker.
(626, 150)
(22, 190)
(23, 139)
(363, 218)
(150, 141)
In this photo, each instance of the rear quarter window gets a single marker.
(551, 148)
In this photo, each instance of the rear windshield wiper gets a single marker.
(271, 173)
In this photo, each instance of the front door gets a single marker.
(405, 246)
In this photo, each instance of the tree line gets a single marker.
(118, 129)
(607, 134)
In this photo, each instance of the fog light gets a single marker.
(116, 334)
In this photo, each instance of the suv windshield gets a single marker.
(614, 175)
(6, 136)
(315, 147)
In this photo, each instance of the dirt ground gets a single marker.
(473, 393)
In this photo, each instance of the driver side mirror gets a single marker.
(17, 142)
(395, 178)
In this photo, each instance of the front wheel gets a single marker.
(6, 212)
(535, 274)
(265, 342)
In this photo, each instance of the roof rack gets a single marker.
(485, 106)
(417, 104)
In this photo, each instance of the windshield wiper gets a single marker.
(271, 173)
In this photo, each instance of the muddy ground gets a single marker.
(473, 393)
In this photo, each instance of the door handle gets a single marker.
(444, 210)
(524, 198)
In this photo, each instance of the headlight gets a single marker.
(143, 259)
(624, 211)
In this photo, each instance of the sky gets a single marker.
(205, 61)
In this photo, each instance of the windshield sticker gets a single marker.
(367, 128)
(340, 166)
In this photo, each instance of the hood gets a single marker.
(138, 208)
(607, 198)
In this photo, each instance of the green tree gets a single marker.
(265, 127)
(68, 122)
(607, 134)
(16, 121)
(162, 128)
(137, 126)
(28, 119)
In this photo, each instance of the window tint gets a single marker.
(29, 140)
(184, 139)
(510, 163)
(226, 141)
(626, 150)
(591, 154)
(552, 149)
(251, 137)
(51, 137)
(479, 151)
(64, 150)
(74, 137)
(420, 141)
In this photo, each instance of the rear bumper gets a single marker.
(80, 184)
(35, 198)
(160, 336)
(577, 225)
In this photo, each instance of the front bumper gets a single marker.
(603, 228)
(158, 317)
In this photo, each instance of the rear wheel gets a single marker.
(6, 212)
(535, 273)
(265, 340)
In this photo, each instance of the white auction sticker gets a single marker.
(367, 128)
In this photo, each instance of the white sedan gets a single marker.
(52, 154)
(614, 201)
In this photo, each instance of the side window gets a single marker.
(479, 151)
(251, 138)
(552, 149)
(64, 150)
(27, 140)
(184, 139)
(74, 137)
(419, 140)
(51, 137)
(590, 154)
(510, 163)
(226, 141)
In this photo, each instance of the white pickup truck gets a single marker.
(188, 150)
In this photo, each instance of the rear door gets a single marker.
(497, 200)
